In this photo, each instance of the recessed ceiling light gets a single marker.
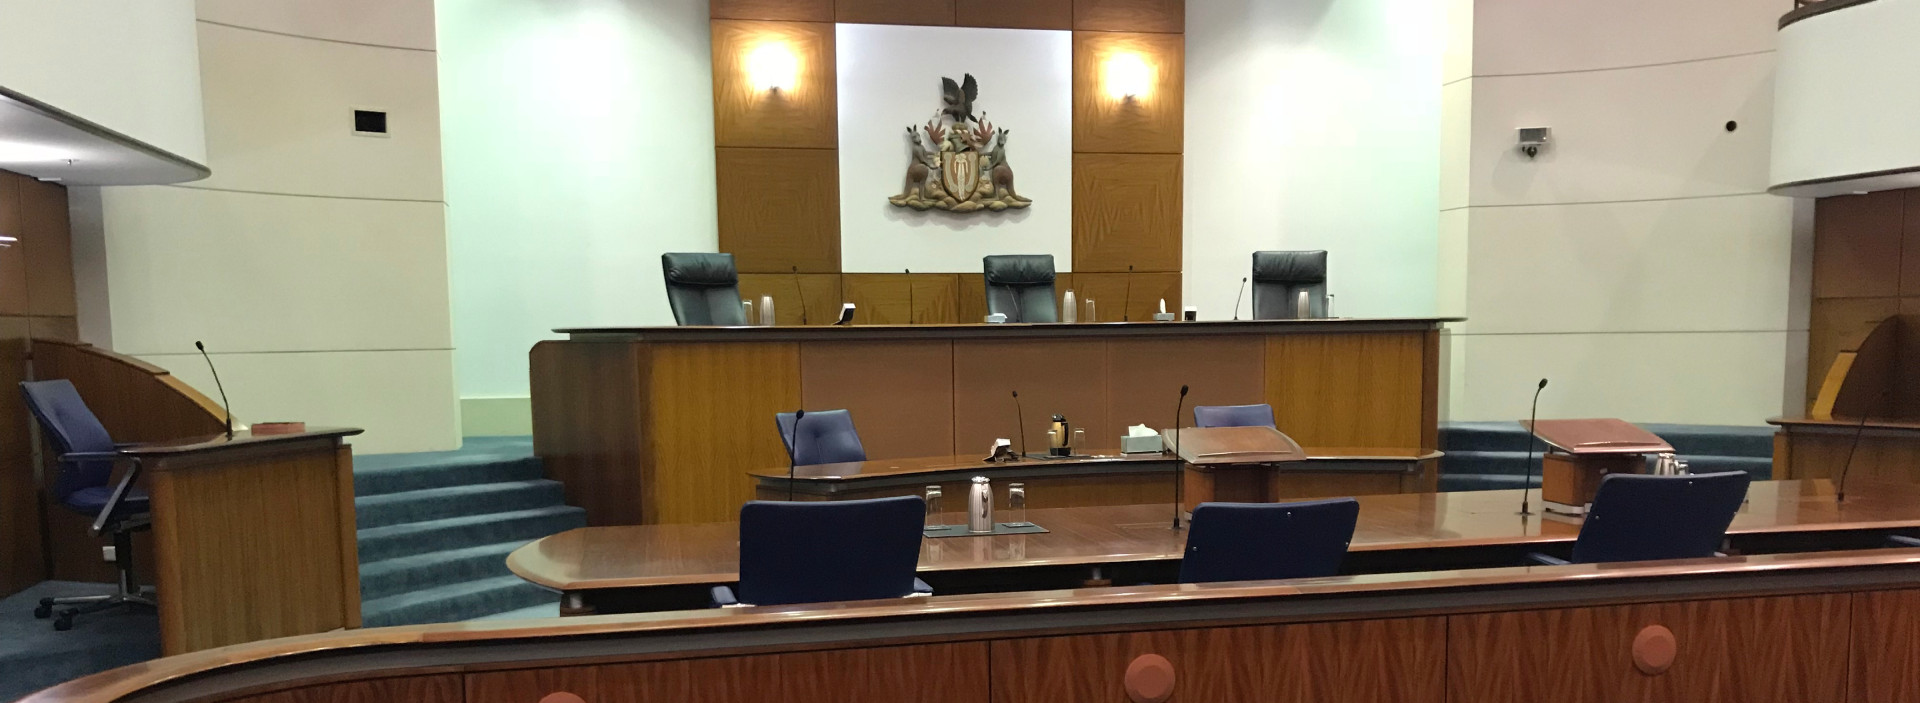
(50, 179)
(24, 152)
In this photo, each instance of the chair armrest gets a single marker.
(120, 492)
(71, 457)
(1899, 541)
(1547, 560)
(921, 589)
(722, 597)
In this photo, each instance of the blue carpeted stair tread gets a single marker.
(396, 541)
(398, 478)
(381, 579)
(455, 602)
(453, 501)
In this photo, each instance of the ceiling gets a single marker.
(44, 142)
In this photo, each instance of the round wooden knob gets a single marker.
(562, 697)
(1149, 679)
(1654, 649)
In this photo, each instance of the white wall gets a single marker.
(579, 147)
(884, 86)
(131, 67)
(1846, 97)
(1638, 261)
(313, 263)
(1314, 125)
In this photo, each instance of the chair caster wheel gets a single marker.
(44, 611)
(64, 622)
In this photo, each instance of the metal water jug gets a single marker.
(980, 506)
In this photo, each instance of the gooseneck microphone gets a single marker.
(1127, 302)
(909, 296)
(793, 445)
(1180, 464)
(1846, 467)
(224, 406)
(1240, 297)
(1532, 417)
(802, 292)
(1020, 417)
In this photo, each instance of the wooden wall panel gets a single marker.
(1874, 458)
(587, 425)
(1745, 651)
(1015, 14)
(786, 10)
(1148, 373)
(803, 116)
(972, 304)
(930, 12)
(411, 689)
(1838, 324)
(1149, 124)
(532, 685)
(819, 293)
(1126, 211)
(1377, 660)
(1130, 15)
(1884, 660)
(699, 391)
(22, 558)
(903, 408)
(1909, 243)
(1345, 390)
(1111, 289)
(47, 247)
(1857, 245)
(780, 208)
(948, 673)
(899, 299)
(13, 260)
(1053, 376)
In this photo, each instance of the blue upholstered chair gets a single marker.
(825, 552)
(1020, 286)
(1263, 541)
(1638, 517)
(1233, 415)
(84, 484)
(825, 437)
(703, 289)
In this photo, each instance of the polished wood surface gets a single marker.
(604, 400)
(1126, 211)
(1228, 446)
(788, 10)
(655, 555)
(779, 208)
(1015, 14)
(1885, 647)
(1132, 298)
(1596, 436)
(801, 116)
(442, 688)
(927, 12)
(1130, 15)
(1881, 450)
(795, 302)
(1153, 123)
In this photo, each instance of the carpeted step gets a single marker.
(436, 503)
(392, 577)
(396, 541)
(455, 602)
(371, 478)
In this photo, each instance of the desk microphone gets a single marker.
(802, 292)
(909, 296)
(1527, 483)
(1180, 464)
(792, 456)
(228, 409)
(1020, 417)
(1840, 488)
(1127, 302)
(1240, 297)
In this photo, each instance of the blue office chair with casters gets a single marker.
(826, 552)
(1265, 541)
(1260, 415)
(1638, 517)
(84, 484)
(824, 437)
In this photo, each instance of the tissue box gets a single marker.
(1149, 444)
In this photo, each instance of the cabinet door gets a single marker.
(948, 673)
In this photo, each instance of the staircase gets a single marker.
(435, 529)
(1491, 455)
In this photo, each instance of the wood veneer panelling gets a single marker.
(531, 685)
(1053, 376)
(885, 298)
(410, 689)
(1111, 290)
(1147, 374)
(1874, 458)
(780, 208)
(1909, 242)
(1746, 651)
(785, 10)
(47, 247)
(22, 559)
(1857, 245)
(587, 425)
(1884, 661)
(818, 292)
(903, 407)
(700, 392)
(13, 260)
(1377, 660)
(929, 12)
(1126, 211)
(1838, 324)
(1148, 124)
(1341, 390)
(946, 673)
(1130, 15)
(1015, 14)
(802, 116)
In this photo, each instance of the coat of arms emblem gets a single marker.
(959, 159)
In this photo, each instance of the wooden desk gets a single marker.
(659, 425)
(1882, 449)
(622, 569)
(253, 536)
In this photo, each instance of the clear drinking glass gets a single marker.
(766, 311)
(1079, 445)
(1017, 505)
(746, 307)
(1089, 316)
(934, 517)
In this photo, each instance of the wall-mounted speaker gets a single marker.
(370, 123)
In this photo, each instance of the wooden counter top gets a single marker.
(662, 555)
(238, 440)
(919, 466)
(1002, 331)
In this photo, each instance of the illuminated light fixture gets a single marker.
(6, 241)
(772, 67)
(23, 152)
(1128, 77)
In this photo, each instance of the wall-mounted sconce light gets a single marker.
(772, 67)
(1128, 77)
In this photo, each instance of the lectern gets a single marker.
(1581, 452)
(1232, 464)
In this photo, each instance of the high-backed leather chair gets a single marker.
(828, 551)
(1020, 286)
(825, 437)
(1638, 517)
(1233, 415)
(1280, 276)
(1263, 541)
(703, 289)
